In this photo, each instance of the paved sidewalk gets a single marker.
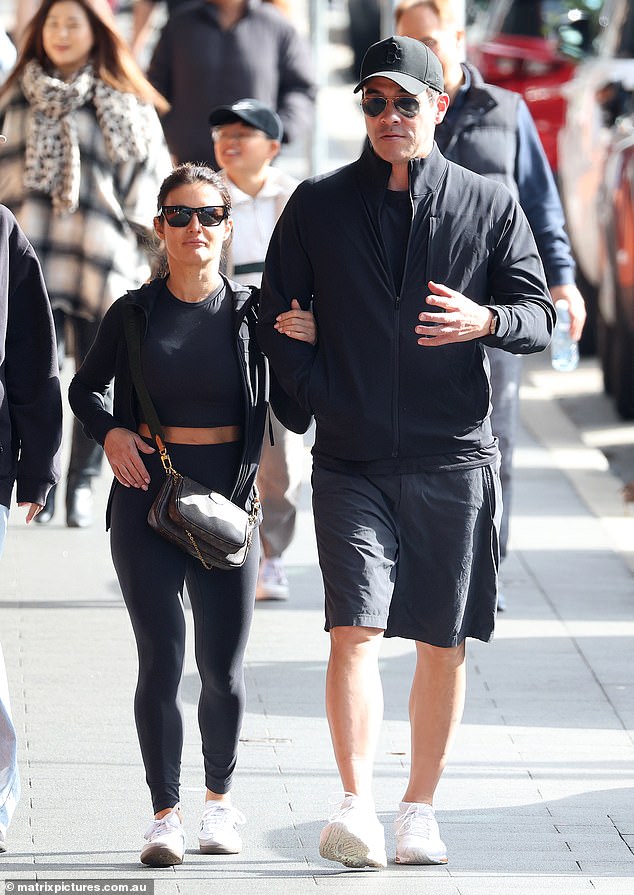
(538, 795)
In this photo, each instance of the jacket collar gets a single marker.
(478, 93)
(145, 297)
(425, 174)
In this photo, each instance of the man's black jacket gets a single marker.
(375, 393)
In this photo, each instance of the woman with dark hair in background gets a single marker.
(207, 380)
(84, 159)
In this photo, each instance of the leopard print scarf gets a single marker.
(52, 158)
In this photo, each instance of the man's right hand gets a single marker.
(122, 447)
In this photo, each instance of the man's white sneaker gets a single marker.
(218, 834)
(165, 841)
(272, 581)
(417, 836)
(354, 835)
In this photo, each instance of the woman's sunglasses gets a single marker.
(407, 106)
(208, 215)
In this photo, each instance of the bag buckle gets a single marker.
(167, 463)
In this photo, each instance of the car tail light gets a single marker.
(503, 66)
(536, 69)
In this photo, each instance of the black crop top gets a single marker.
(190, 362)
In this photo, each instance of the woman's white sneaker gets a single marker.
(354, 835)
(165, 841)
(417, 835)
(218, 829)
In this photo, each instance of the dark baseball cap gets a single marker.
(254, 113)
(407, 62)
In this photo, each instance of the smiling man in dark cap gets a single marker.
(413, 264)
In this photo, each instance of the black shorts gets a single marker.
(416, 555)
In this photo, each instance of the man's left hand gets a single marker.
(461, 321)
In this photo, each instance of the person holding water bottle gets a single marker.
(489, 130)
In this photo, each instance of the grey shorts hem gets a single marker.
(360, 621)
(453, 641)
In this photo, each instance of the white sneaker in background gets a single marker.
(272, 581)
(218, 829)
(354, 835)
(165, 841)
(417, 835)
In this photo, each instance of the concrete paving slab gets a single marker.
(614, 885)
(526, 885)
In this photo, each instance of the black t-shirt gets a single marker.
(190, 362)
(395, 222)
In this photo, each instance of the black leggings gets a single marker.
(151, 572)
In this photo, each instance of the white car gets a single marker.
(592, 108)
(596, 179)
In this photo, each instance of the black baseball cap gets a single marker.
(254, 113)
(407, 62)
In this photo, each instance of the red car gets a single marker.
(532, 48)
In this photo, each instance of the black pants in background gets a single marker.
(85, 454)
(151, 573)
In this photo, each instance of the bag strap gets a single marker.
(132, 330)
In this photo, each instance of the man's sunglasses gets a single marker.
(208, 215)
(407, 106)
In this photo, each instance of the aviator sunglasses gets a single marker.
(407, 106)
(208, 215)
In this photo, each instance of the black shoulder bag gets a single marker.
(203, 523)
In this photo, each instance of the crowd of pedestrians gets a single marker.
(379, 300)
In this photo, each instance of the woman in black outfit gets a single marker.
(207, 379)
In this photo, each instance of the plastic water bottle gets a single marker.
(564, 351)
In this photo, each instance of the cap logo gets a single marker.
(393, 53)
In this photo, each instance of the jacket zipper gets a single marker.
(396, 431)
(433, 224)
(433, 221)
(249, 401)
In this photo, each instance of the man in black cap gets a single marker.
(413, 264)
(489, 130)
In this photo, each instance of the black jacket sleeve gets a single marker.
(159, 72)
(291, 361)
(517, 282)
(31, 376)
(90, 383)
(296, 95)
